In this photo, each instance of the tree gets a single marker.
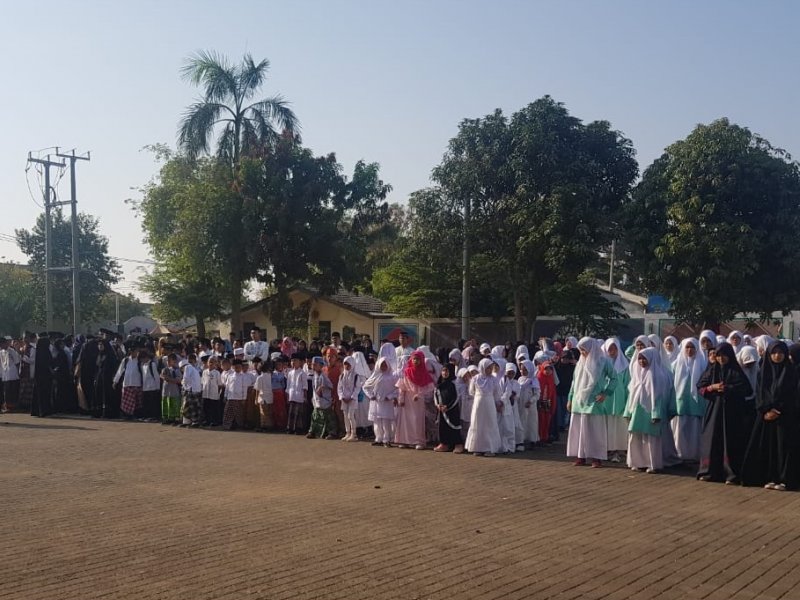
(183, 210)
(129, 306)
(713, 225)
(544, 189)
(308, 223)
(249, 128)
(17, 298)
(98, 270)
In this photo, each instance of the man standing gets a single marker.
(9, 371)
(256, 347)
(404, 350)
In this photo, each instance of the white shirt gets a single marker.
(151, 378)
(259, 349)
(264, 386)
(296, 385)
(236, 386)
(9, 364)
(212, 380)
(30, 359)
(191, 380)
(129, 372)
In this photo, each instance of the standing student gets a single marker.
(212, 391)
(263, 387)
(650, 388)
(296, 387)
(279, 405)
(527, 433)
(151, 387)
(771, 459)
(446, 400)
(687, 425)
(42, 388)
(380, 388)
(546, 404)
(192, 388)
(63, 385)
(565, 371)
(616, 425)
(252, 415)
(27, 372)
(105, 396)
(725, 387)
(349, 387)
(9, 373)
(507, 418)
(749, 361)
(463, 377)
(414, 387)
(130, 374)
(235, 395)
(322, 418)
(484, 435)
(171, 392)
(593, 383)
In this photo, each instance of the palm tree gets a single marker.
(229, 91)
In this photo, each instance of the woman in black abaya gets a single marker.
(106, 400)
(446, 399)
(42, 380)
(771, 455)
(722, 445)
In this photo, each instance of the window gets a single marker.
(324, 330)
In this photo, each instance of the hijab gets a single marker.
(387, 352)
(456, 356)
(620, 363)
(777, 382)
(417, 374)
(735, 334)
(675, 348)
(522, 353)
(485, 377)
(730, 374)
(763, 342)
(380, 380)
(650, 383)
(588, 371)
(664, 358)
(498, 352)
(688, 370)
(529, 379)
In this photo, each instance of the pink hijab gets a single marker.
(287, 347)
(417, 374)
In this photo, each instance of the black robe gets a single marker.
(450, 419)
(63, 390)
(723, 441)
(86, 366)
(772, 453)
(41, 406)
(105, 396)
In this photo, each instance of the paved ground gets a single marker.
(95, 509)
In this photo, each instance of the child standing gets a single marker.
(547, 398)
(650, 387)
(212, 385)
(322, 419)
(348, 388)
(296, 384)
(235, 396)
(527, 405)
(382, 393)
(505, 419)
(263, 387)
(279, 420)
(130, 373)
(191, 411)
(171, 392)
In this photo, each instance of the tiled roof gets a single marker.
(357, 302)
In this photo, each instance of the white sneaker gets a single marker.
(419, 447)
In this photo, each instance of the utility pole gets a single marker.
(48, 243)
(611, 266)
(465, 279)
(76, 266)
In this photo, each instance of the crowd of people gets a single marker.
(727, 406)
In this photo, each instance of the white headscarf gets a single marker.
(721, 339)
(500, 362)
(361, 367)
(633, 365)
(620, 363)
(762, 343)
(380, 384)
(388, 352)
(484, 378)
(455, 354)
(572, 341)
(649, 383)
(659, 345)
(709, 335)
(588, 371)
(689, 369)
(733, 334)
(675, 348)
(511, 368)
(530, 378)
(499, 352)
(522, 353)
(484, 347)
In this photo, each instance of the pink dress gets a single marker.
(410, 423)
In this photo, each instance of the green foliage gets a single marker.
(586, 310)
(714, 225)
(17, 298)
(129, 306)
(98, 270)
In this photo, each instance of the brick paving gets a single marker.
(96, 509)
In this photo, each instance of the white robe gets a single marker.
(528, 416)
(588, 437)
(484, 435)
(506, 420)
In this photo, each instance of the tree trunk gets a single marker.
(201, 326)
(519, 316)
(236, 309)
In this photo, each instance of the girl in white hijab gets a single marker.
(735, 340)
(363, 371)
(687, 425)
(671, 348)
(388, 351)
(507, 420)
(381, 390)
(708, 340)
(656, 342)
(483, 437)
(349, 386)
(592, 384)
(463, 375)
(762, 343)
(648, 394)
(527, 433)
(616, 424)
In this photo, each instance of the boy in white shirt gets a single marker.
(263, 387)
(235, 395)
(192, 384)
(130, 374)
(296, 385)
(323, 421)
(212, 385)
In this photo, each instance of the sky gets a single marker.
(379, 80)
